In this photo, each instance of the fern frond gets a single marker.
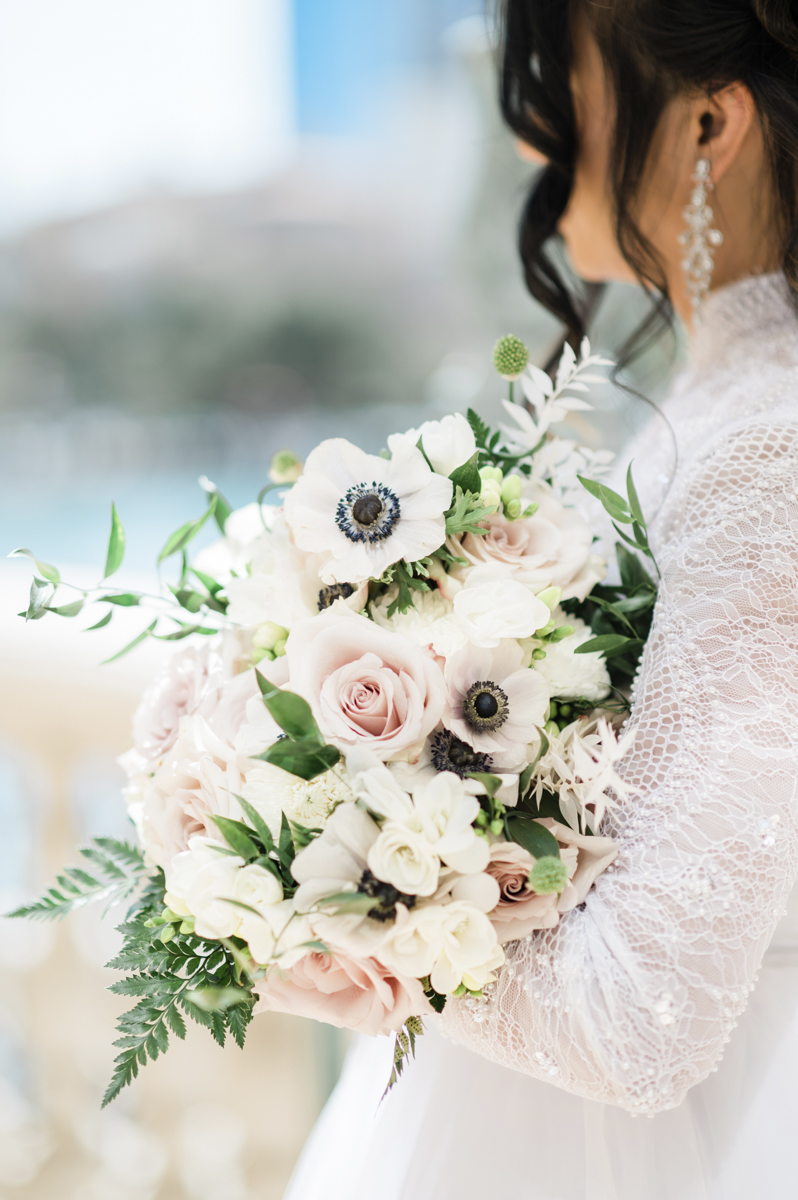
(117, 868)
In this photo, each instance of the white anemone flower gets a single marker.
(494, 703)
(447, 443)
(363, 513)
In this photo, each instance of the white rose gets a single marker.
(470, 949)
(257, 887)
(200, 883)
(572, 676)
(493, 606)
(448, 443)
(404, 859)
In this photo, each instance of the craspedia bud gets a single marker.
(548, 875)
(285, 467)
(510, 357)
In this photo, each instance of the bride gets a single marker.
(648, 1046)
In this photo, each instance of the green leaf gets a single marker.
(491, 783)
(103, 621)
(116, 545)
(67, 610)
(467, 514)
(291, 712)
(48, 572)
(607, 644)
(222, 508)
(207, 581)
(40, 593)
(633, 573)
(236, 836)
(614, 504)
(182, 536)
(467, 476)
(257, 822)
(119, 868)
(302, 835)
(285, 848)
(306, 759)
(124, 599)
(132, 645)
(533, 836)
(634, 503)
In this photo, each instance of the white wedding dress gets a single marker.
(647, 1048)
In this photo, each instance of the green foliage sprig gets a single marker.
(116, 871)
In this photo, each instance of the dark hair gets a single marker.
(653, 50)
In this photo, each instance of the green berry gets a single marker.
(510, 357)
(548, 875)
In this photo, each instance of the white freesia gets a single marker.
(363, 513)
(199, 884)
(444, 810)
(572, 676)
(375, 784)
(277, 932)
(452, 943)
(231, 554)
(493, 606)
(448, 443)
(404, 859)
(480, 890)
(470, 951)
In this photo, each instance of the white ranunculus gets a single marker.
(405, 860)
(443, 813)
(469, 949)
(430, 623)
(363, 513)
(493, 606)
(273, 791)
(448, 443)
(200, 882)
(572, 676)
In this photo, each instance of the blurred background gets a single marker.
(226, 226)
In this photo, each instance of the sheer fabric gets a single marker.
(634, 999)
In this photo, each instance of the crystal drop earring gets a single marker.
(699, 239)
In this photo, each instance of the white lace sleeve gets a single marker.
(631, 999)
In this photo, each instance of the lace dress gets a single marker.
(647, 1048)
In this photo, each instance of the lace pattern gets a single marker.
(632, 998)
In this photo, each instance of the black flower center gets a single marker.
(485, 706)
(336, 591)
(449, 753)
(368, 512)
(386, 895)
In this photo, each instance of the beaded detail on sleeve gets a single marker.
(631, 998)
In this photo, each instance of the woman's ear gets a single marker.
(721, 125)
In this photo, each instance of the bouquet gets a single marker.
(388, 743)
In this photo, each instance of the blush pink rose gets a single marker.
(188, 684)
(357, 994)
(553, 547)
(366, 685)
(520, 910)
